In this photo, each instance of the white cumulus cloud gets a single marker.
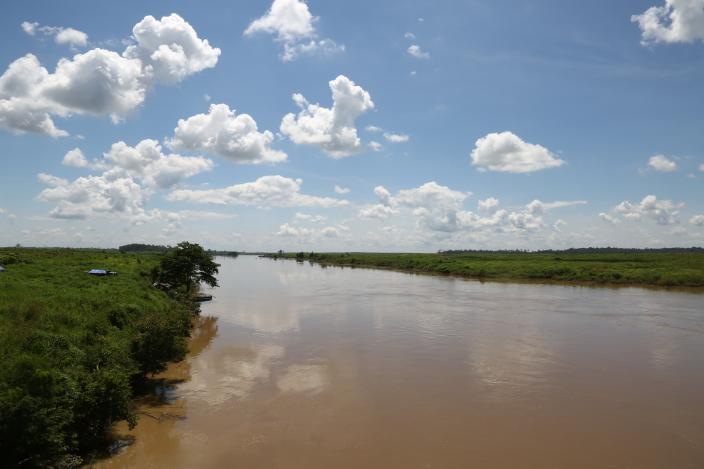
(61, 35)
(341, 190)
(415, 51)
(489, 205)
(30, 27)
(267, 191)
(293, 26)
(75, 158)
(292, 231)
(697, 220)
(396, 138)
(391, 137)
(675, 21)
(538, 207)
(99, 81)
(72, 37)
(430, 194)
(129, 177)
(608, 218)
(506, 152)
(170, 48)
(92, 195)
(380, 211)
(312, 47)
(330, 129)
(147, 162)
(440, 209)
(663, 212)
(662, 164)
(383, 194)
(309, 218)
(435, 206)
(310, 234)
(223, 133)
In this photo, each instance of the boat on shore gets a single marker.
(200, 297)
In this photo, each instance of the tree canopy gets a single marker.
(186, 266)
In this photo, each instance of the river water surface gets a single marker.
(299, 366)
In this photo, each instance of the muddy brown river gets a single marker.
(298, 366)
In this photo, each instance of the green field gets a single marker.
(76, 348)
(683, 268)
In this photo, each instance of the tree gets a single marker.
(159, 340)
(186, 266)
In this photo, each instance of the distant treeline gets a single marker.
(590, 250)
(159, 249)
(223, 253)
(136, 247)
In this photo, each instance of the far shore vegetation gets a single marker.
(160, 249)
(77, 348)
(676, 267)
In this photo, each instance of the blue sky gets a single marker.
(475, 124)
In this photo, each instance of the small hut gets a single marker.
(98, 272)
(2, 269)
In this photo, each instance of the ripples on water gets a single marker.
(305, 367)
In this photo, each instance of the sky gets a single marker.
(350, 126)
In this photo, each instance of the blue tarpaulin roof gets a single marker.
(98, 272)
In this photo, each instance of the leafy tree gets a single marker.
(187, 266)
(160, 338)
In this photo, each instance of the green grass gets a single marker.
(56, 279)
(671, 269)
(75, 347)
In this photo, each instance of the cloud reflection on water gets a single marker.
(310, 379)
(229, 373)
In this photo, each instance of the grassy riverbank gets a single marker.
(655, 268)
(75, 348)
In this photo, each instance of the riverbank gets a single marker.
(76, 348)
(635, 268)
